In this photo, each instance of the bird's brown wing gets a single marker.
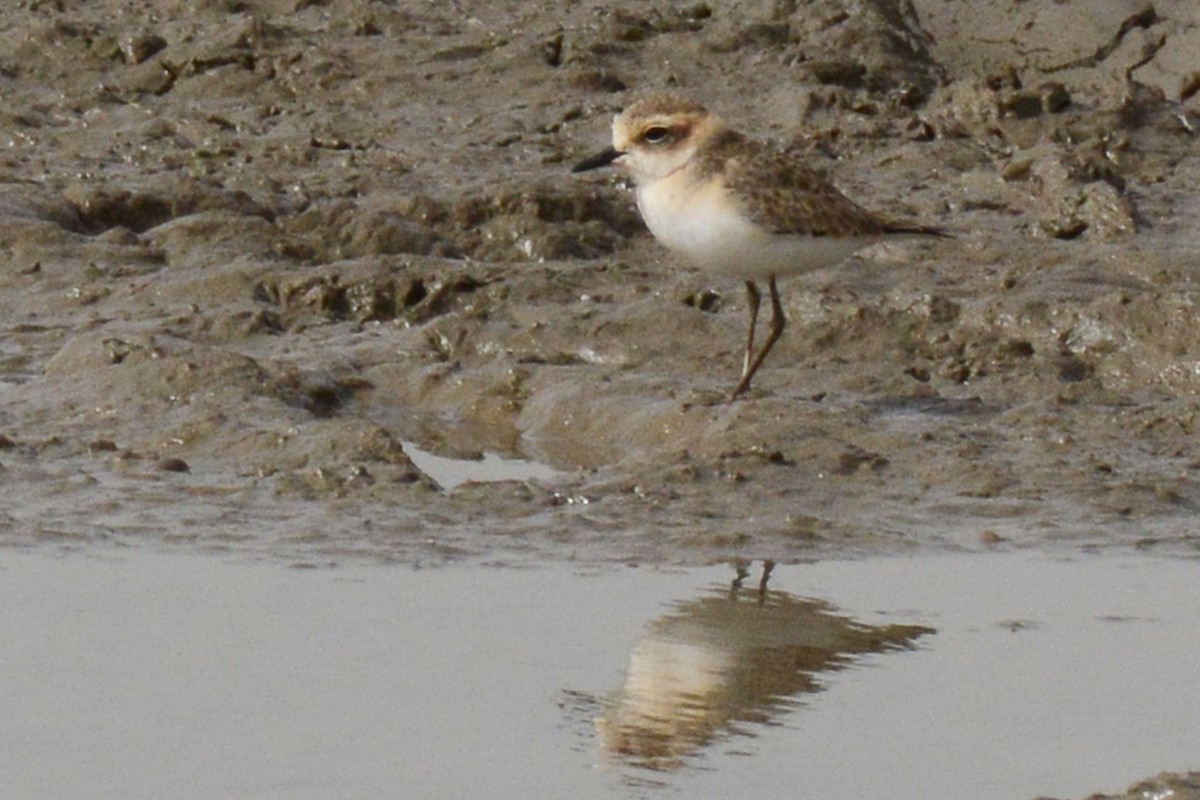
(786, 197)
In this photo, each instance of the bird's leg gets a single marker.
(778, 323)
(768, 566)
(742, 566)
(753, 296)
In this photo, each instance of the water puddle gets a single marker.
(450, 473)
(138, 675)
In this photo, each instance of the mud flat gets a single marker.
(251, 248)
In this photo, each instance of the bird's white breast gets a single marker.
(701, 221)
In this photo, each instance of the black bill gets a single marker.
(601, 159)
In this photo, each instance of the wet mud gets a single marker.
(248, 249)
(1185, 786)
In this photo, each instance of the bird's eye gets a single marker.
(655, 135)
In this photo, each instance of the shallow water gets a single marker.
(137, 675)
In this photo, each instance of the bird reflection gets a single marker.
(735, 655)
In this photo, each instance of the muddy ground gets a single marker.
(249, 249)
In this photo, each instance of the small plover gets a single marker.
(736, 207)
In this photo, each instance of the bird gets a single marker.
(735, 206)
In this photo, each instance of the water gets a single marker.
(128, 674)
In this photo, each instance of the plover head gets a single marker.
(656, 136)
